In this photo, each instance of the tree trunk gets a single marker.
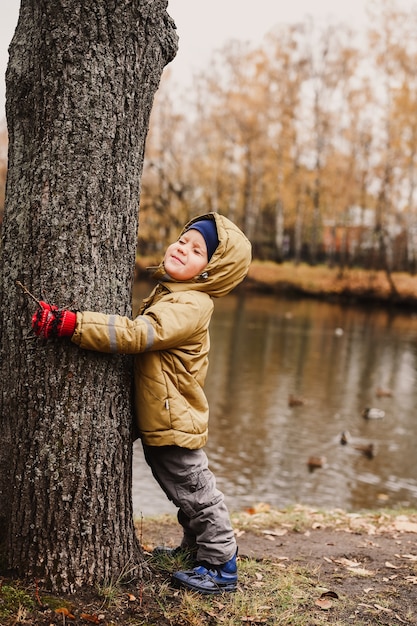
(80, 85)
(279, 231)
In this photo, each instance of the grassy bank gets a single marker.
(322, 281)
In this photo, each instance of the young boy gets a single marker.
(170, 339)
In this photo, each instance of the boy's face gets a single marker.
(187, 257)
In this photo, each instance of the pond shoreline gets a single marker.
(346, 296)
(351, 286)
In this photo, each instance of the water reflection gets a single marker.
(265, 348)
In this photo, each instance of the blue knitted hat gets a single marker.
(209, 231)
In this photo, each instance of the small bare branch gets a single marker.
(27, 292)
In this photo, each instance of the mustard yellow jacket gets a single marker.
(170, 341)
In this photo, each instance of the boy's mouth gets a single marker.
(177, 259)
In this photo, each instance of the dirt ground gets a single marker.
(374, 565)
(359, 560)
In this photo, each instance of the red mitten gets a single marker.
(49, 321)
(42, 318)
(66, 323)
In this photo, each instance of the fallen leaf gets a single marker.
(324, 604)
(64, 611)
(347, 562)
(390, 565)
(213, 615)
(131, 597)
(93, 619)
(275, 533)
(405, 526)
(382, 608)
(412, 579)
(411, 557)
(147, 548)
(261, 507)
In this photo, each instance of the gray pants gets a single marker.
(188, 482)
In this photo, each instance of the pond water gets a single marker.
(334, 357)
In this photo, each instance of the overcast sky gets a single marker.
(205, 25)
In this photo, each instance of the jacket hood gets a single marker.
(227, 267)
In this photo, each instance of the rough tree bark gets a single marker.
(80, 85)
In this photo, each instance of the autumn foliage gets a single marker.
(308, 141)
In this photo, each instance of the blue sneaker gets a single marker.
(209, 579)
